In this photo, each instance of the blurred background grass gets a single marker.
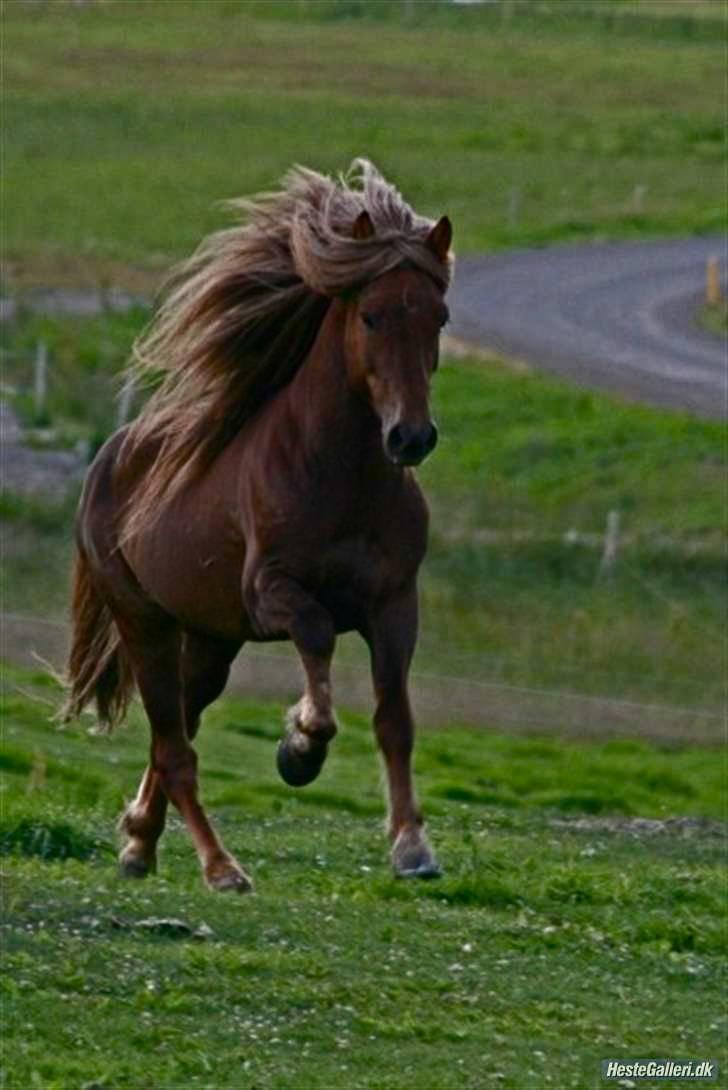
(520, 488)
(125, 121)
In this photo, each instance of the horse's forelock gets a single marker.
(330, 261)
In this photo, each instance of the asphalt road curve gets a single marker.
(619, 317)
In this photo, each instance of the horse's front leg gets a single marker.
(392, 634)
(277, 603)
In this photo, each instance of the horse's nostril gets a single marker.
(431, 440)
(396, 440)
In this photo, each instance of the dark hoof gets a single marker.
(136, 866)
(299, 767)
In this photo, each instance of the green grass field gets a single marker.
(125, 121)
(564, 931)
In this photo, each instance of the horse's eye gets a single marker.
(369, 320)
(444, 318)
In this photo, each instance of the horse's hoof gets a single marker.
(412, 856)
(428, 869)
(228, 878)
(132, 865)
(297, 766)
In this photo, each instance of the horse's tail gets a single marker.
(98, 667)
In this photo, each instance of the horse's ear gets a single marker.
(363, 227)
(439, 239)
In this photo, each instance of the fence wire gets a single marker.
(440, 699)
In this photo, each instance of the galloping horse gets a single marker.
(264, 493)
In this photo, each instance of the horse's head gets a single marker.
(393, 330)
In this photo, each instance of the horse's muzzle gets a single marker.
(406, 446)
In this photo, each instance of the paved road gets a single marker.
(616, 316)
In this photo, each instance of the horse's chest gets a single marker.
(360, 569)
(355, 563)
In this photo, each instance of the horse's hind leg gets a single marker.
(205, 669)
(392, 633)
(156, 653)
(206, 665)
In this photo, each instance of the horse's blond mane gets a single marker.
(241, 315)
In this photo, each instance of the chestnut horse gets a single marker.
(264, 493)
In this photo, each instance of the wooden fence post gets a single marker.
(611, 545)
(40, 380)
(713, 293)
(638, 199)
